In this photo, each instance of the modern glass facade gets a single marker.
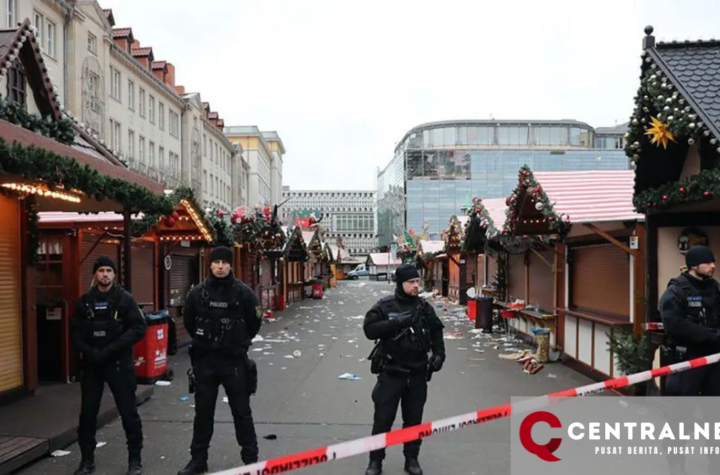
(438, 167)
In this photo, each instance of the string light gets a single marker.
(41, 190)
(181, 238)
(197, 220)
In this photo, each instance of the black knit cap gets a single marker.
(699, 255)
(406, 272)
(104, 261)
(221, 253)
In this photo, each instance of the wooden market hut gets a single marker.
(52, 165)
(674, 142)
(427, 254)
(381, 264)
(295, 255)
(584, 278)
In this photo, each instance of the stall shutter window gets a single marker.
(11, 357)
(180, 278)
(111, 250)
(541, 281)
(600, 279)
(143, 275)
(516, 277)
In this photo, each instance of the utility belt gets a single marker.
(673, 353)
(251, 375)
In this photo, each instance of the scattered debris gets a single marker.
(225, 399)
(297, 353)
(349, 377)
(100, 444)
(453, 336)
(270, 437)
(163, 383)
(185, 398)
(60, 453)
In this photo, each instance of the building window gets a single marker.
(205, 179)
(174, 124)
(161, 158)
(141, 149)
(152, 109)
(17, 93)
(115, 135)
(161, 116)
(131, 144)
(39, 23)
(141, 99)
(92, 43)
(151, 154)
(115, 83)
(131, 95)
(204, 145)
(11, 13)
(50, 50)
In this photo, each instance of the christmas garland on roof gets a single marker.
(181, 193)
(703, 186)
(59, 130)
(260, 229)
(407, 251)
(528, 186)
(56, 171)
(661, 115)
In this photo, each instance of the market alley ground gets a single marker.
(302, 403)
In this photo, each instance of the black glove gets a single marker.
(403, 320)
(436, 362)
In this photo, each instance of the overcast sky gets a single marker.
(343, 81)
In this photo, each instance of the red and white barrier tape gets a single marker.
(320, 455)
(652, 326)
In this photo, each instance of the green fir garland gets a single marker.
(220, 224)
(658, 98)
(59, 130)
(703, 186)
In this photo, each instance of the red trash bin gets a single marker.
(317, 290)
(150, 353)
(471, 309)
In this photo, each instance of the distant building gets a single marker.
(438, 167)
(348, 215)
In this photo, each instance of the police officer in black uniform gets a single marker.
(408, 330)
(222, 315)
(690, 311)
(106, 325)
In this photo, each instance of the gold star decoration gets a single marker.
(660, 133)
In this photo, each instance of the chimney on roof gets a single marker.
(159, 71)
(180, 90)
(135, 44)
(170, 75)
(649, 40)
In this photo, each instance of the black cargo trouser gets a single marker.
(393, 389)
(120, 377)
(696, 382)
(231, 373)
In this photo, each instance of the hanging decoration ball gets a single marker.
(538, 206)
(691, 125)
(669, 100)
(661, 98)
(170, 222)
(635, 122)
(682, 189)
(666, 109)
(221, 213)
(713, 141)
(691, 141)
(707, 194)
(664, 197)
(175, 215)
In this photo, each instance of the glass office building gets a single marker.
(438, 167)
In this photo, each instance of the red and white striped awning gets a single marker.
(591, 196)
(496, 209)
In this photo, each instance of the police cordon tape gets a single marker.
(351, 448)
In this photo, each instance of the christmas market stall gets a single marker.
(261, 252)
(329, 264)
(460, 270)
(49, 163)
(381, 265)
(427, 253)
(295, 254)
(485, 222)
(582, 274)
(674, 143)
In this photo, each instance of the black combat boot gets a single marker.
(87, 466)
(134, 465)
(374, 468)
(195, 467)
(412, 466)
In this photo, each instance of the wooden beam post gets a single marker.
(542, 258)
(640, 296)
(613, 240)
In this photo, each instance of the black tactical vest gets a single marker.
(220, 321)
(101, 325)
(703, 307)
(410, 343)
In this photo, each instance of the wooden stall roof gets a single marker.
(382, 259)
